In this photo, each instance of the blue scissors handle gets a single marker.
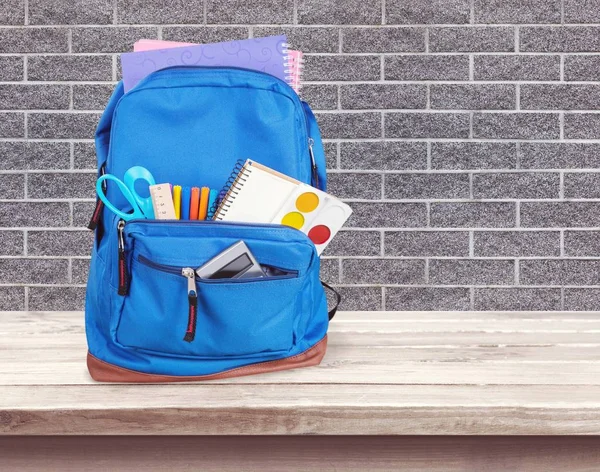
(142, 206)
(136, 213)
(134, 174)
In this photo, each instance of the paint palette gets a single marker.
(315, 213)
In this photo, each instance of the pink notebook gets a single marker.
(293, 68)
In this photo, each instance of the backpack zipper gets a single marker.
(192, 293)
(190, 332)
(313, 162)
(177, 270)
(123, 273)
(95, 220)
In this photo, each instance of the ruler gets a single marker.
(162, 202)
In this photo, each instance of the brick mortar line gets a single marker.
(48, 171)
(346, 83)
(471, 12)
(471, 244)
(441, 171)
(390, 257)
(365, 285)
(362, 111)
(354, 229)
(42, 257)
(301, 25)
(57, 285)
(26, 298)
(294, 12)
(26, 244)
(471, 299)
(471, 68)
(348, 140)
(475, 54)
(354, 111)
(405, 140)
(90, 199)
(458, 229)
(365, 229)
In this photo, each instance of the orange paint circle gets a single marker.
(293, 219)
(307, 202)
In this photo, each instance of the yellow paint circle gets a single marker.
(307, 202)
(293, 219)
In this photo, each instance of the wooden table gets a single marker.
(435, 391)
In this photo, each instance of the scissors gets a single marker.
(142, 207)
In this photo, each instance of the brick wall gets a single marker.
(465, 134)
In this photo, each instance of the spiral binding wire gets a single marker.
(293, 64)
(229, 192)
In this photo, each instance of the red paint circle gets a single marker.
(319, 234)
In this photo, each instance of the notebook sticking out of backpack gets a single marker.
(269, 54)
(292, 68)
(259, 194)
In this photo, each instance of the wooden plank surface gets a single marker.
(301, 453)
(384, 373)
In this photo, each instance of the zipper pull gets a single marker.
(313, 163)
(123, 275)
(95, 220)
(190, 333)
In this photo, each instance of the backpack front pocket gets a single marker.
(169, 310)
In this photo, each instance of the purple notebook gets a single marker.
(263, 54)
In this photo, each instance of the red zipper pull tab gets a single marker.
(190, 332)
(123, 274)
(95, 220)
(93, 224)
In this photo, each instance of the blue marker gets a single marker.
(212, 199)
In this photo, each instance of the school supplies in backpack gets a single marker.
(141, 207)
(258, 194)
(189, 126)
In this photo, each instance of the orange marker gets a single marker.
(194, 203)
(203, 203)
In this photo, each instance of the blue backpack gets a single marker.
(190, 125)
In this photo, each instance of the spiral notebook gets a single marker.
(259, 194)
(293, 66)
(269, 54)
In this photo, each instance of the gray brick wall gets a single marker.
(464, 133)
